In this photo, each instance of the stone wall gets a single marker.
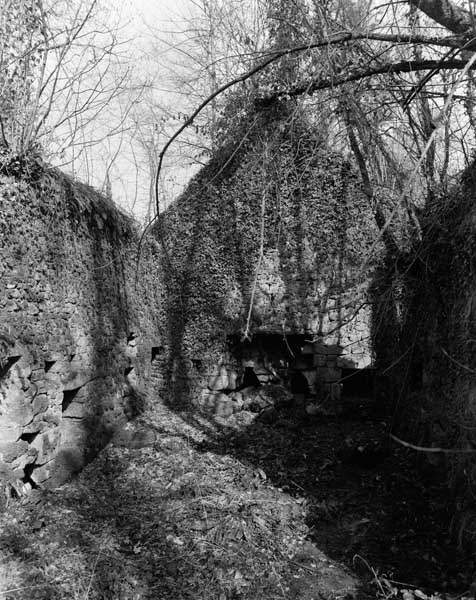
(270, 240)
(76, 332)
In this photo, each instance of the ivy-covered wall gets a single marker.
(268, 239)
(76, 328)
(428, 337)
(284, 193)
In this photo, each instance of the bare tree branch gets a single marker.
(406, 66)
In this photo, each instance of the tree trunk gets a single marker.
(445, 13)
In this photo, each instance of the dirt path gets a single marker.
(177, 509)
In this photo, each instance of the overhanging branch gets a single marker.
(276, 55)
(407, 66)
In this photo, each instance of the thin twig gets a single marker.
(258, 268)
(465, 367)
(20, 589)
(433, 450)
(86, 594)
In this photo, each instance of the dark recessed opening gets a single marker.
(28, 470)
(298, 384)
(28, 437)
(131, 336)
(250, 379)
(68, 397)
(156, 353)
(71, 357)
(197, 363)
(48, 365)
(305, 361)
(7, 365)
(358, 383)
(128, 371)
(273, 359)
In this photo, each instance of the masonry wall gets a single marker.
(76, 327)
(283, 193)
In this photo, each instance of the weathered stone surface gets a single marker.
(9, 432)
(76, 410)
(71, 322)
(209, 399)
(219, 381)
(41, 474)
(238, 401)
(46, 445)
(224, 407)
(11, 450)
(328, 374)
(232, 380)
(24, 459)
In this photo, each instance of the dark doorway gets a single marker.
(298, 384)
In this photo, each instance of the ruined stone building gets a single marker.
(267, 274)
(252, 277)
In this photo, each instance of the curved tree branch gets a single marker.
(406, 66)
(274, 56)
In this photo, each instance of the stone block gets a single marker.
(25, 459)
(263, 375)
(41, 474)
(37, 375)
(224, 407)
(310, 375)
(237, 399)
(46, 445)
(51, 417)
(219, 381)
(361, 360)
(320, 360)
(9, 432)
(40, 404)
(232, 380)
(70, 380)
(209, 398)
(35, 427)
(328, 374)
(9, 451)
(76, 410)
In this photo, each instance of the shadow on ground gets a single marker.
(370, 503)
(164, 518)
(193, 509)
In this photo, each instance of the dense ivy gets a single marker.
(317, 221)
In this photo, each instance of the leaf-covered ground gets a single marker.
(177, 507)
